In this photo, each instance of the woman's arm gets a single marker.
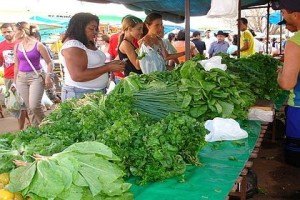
(76, 62)
(288, 76)
(45, 55)
(128, 49)
(170, 56)
(16, 65)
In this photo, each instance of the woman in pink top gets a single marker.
(28, 80)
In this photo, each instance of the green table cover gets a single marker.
(222, 164)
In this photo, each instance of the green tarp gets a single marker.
(222, 164)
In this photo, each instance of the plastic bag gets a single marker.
(111, 86)
(13, 101)
(151, 60)
(46, 101)
(213, 62)
(261, 115)
(221, 8)
(224, 129)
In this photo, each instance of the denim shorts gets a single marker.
(69, 92)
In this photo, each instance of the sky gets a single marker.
(15, 10)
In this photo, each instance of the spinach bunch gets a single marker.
(260, 71)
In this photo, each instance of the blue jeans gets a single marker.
(69, 92)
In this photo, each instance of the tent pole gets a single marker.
(280, 28)
(187, 30)
(239, 29)
(268, 29)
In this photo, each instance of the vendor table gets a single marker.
(222, 163)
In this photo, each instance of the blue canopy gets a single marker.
(173, 10)
(275, 17)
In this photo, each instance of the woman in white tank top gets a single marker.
(84, 65)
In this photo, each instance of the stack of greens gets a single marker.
(259, 71)
(149, 148)
(82, 171)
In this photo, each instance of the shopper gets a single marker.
(200, 45)
(153, 29)
(219, 46)
(7, 61)
(288, 79)
(30, 82)
(132, 29)
(84, 65)
(179, 45)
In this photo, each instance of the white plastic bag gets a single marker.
(152, 60)
(213, 62)
(224, 129)
(221, 8)
(46, 101)
(110, 87)
(13, 101)
(261, 115)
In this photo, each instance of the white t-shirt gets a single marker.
(96, 58)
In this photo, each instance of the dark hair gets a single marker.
(77, 25)
(244, 20)
(171, 36)
(149, 19)
(6, 25)
(37, 35)
(196, 33)
(181, 35)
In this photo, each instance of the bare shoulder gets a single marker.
(125, 45)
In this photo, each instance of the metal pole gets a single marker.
(268, 28)
(187, 30)
(280, 28)
(239, 29)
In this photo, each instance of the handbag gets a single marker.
(13, 101)
(31, 65)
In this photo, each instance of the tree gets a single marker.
(257, 20)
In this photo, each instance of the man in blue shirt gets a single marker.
(219, 46)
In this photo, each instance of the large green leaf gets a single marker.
(186, 101)
(50, 179)
(227, 108)
(88, 173)
(198, 111)
(105, 170)
(73, 193)
(91, 147)
(116, 188)
(21, 177)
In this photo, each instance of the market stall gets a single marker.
(152, 125)
(149, 131)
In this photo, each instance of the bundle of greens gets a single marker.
(213, 94)
(260, 71)
(82, 171)
(157, 102)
